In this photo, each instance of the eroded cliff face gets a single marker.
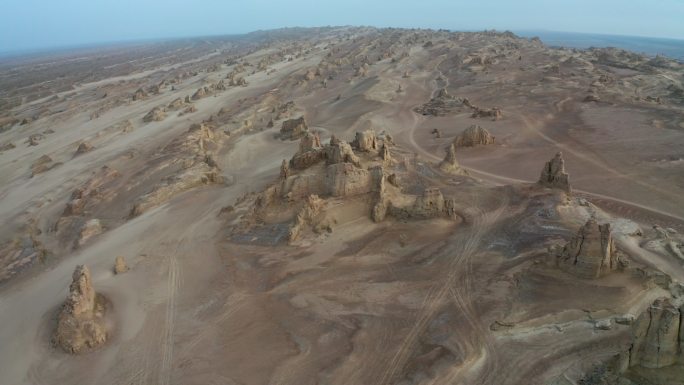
(81, 324)
(658, 336)
(591, 253)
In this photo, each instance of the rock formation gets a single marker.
(176, 104)
(306, 216)
(156, 114)
(553, 174)
(310, 152)
(441, 104)
(140, 94)
(293, 129)
(473, 136)
(284, 170)
(120, 265)
(365, 141)
(91, 190)
(89, 229)
(200, 93)
(345, 179)
(43, 164)
(494, 113)
(657, 336)
(84, 147)
(450, 164)
(80, 323)
(341, 152)
(591, 253)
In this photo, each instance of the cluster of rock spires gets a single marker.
(591, 253)
(443, 104)
(553, 174)
(81, 324)
(341, 169)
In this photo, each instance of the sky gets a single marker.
(39, 24)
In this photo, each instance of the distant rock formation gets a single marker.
(293, 129)
(494, 113)
(140, 94)
(591, 253)
(473, 136)
(157, 114)
(80, 324)
(43, 164)
(450, 164)
(441, 104)
(200, 93)
(176, 104)
(120, 265)
(553, 174)
(84, 147)
(284, 170)
(89, 229)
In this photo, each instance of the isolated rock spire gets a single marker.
(553, 174)
(80, 323)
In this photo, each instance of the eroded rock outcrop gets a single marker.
(84, 147)
(473, 136)
(293, 129)
(494, 113)
(310, 152)
(591, 253)
(200, 93)
(365, 141)
(140, 94)
(81, 324)
(657, 336)
(553, 174)
(43, 164)
(306, 216)
(157, 114)
(441, 104)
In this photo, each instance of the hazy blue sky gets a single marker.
(29, 24)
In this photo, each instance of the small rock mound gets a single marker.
(553, 174)
(120, 265)
(81, 323)
(140, 94)
(473, 136)
(84, 147)
(157, 114)
(43, 164)
(494, 113)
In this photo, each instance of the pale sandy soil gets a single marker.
(355, 306)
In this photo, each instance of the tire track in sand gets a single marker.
(169, 322)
